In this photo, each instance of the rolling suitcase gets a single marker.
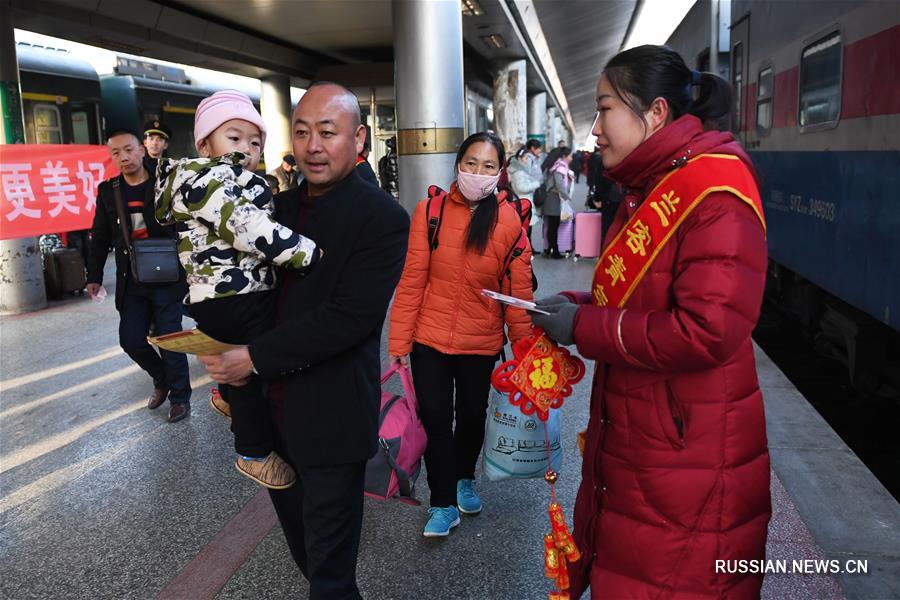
(588, 232)
(63, 271)
(565, 237)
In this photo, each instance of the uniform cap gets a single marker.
(158, 128)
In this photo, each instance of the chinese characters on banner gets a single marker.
(50, 188)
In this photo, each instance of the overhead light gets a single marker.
(471, 8)
(655, 24)
(495, 40)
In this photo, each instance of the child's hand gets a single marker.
(403, 360)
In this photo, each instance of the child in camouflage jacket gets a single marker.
(228, 245)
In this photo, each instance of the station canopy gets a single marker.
(566, 42)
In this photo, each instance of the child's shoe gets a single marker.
(442, 520)
(218, 404)
(270, 471)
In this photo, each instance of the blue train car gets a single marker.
(817, 105)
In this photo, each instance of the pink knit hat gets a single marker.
(221, 107)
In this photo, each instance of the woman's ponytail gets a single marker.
(712, 99)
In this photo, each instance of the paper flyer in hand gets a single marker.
(517, 302)
(191, 341)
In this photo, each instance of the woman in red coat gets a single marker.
(676, 469)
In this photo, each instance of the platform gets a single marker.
(101, 498)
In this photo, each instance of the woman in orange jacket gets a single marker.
(453, 332)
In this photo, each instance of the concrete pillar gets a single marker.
(21, 275)
(537, 117)
(510, 114)
(275, 107)
(551, 128)
(431, 105)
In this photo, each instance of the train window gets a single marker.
(47, 124)
(737, 79)
(820, 82)
(764, 102)
(81, 129)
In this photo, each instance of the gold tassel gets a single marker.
(581, 440)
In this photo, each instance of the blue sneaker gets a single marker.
(442, 520)
(467, 498)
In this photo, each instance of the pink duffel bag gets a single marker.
(392, 472)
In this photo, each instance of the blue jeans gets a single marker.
(141, 306)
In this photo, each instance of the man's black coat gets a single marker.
(326, 345)
(365, 171)
(106, 233)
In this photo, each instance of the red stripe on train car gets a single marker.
(749, 108)
(870, 78)
(784, 97)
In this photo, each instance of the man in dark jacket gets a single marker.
(139, 305)
(322, 358)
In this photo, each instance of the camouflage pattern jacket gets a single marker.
(228, 240)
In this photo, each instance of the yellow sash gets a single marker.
(627, 258)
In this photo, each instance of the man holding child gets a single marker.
(321, 361)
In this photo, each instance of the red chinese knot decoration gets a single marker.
(540, 376)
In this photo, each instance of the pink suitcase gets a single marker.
(588, 234)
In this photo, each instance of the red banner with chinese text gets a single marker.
(627, 258)
(50, 188)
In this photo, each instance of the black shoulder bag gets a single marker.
(153, 260)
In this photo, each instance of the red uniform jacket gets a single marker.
(676, 466)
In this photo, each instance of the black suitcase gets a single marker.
(64, 271)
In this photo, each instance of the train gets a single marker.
(817, 106)
(65, 101)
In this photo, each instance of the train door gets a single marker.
(85, 126)
(740, 55)
(180, 120)
(48, 123)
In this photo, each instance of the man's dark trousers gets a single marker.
(141, 306)
(321, 516)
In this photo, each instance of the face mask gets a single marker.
(475, 187)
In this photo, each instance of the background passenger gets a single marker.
(559, 188)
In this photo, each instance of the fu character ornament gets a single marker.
(538, 379)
